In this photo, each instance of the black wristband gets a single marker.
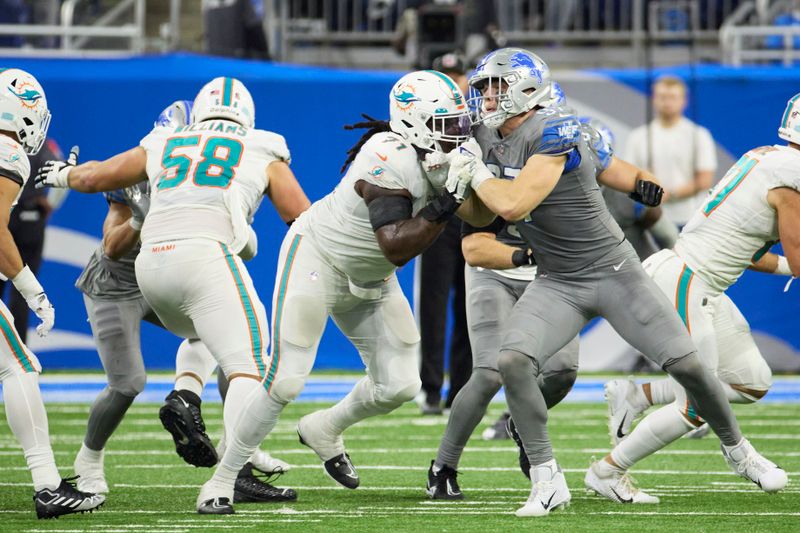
(440, 209)
(522, 257)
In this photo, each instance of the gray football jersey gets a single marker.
(109, 279)
(572, 228)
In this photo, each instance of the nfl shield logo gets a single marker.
(500, 149)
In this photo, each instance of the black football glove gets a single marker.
(647, 193)
(523, 257)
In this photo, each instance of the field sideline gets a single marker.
(153, 490)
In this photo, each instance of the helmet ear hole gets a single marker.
(27, 121)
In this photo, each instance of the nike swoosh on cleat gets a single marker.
(620, 434)
(546, 506)
(620, 498)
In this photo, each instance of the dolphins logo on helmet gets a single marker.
(404, 96)
(23, 108)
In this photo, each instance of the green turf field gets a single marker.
(154, 491)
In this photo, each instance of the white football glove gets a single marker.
(30, 289)
(459, 176)
(139, 202)
(56, 173)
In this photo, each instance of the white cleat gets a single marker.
(626, 403)
(748, 463)
(311, 431)
(211, 493)
(91, 475)
(269, 465)
(548, 493)
(618, 486)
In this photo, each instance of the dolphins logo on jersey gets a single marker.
(376, 172)
(405, 96)
(29, 97)
(523, 60)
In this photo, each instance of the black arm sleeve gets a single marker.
(12, 175)
(495, 227)
(385, 210)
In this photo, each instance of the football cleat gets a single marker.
(524, 463)
(264, 462)
(65, 499)
(443, 484)
(215, 506)
(180, 415)
(548, 493)
(329, 448)
(625, 404)
(252, 487)
(618, 486)
(497, 431)
(90, 475)
(748, 463)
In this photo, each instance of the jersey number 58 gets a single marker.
(216, 167)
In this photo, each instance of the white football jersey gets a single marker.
(339, 223)
(736, 226)
(207, 179)
(14, 163)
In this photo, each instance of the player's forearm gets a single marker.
(10, 260)
(403, 240)
(475, 213)
(84, 178)
(119, 240)
(487, 252)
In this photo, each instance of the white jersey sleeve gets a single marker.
(784, 172)
(270, 146)
(388, 162)
(14, 164)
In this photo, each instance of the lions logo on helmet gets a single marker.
(225, 98)
(177, 114)
(428, 110)
(789, 129)
(520, 80)
(23, 108)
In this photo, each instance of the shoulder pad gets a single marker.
(155, 139)
(271, 145)
(387, 161)
(561, 132)
(598, 145)
(14, 162)
(782, 169)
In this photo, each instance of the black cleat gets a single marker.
(216, 506)
(252, 486)
(180, 415)
(443, 485)
(497, 431)
(65, 499)
(342, 471)
(524, 464)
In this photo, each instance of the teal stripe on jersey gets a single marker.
(276, 324)
(682, 300)
(252, 321)
(15, 344)
(227, 89)
(728, 189)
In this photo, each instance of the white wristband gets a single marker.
(62, 178)
(135, 223)
(783, 267)
(27, 284)
(482, 173)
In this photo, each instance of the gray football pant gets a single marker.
(553, 310)
(115, 328)
(490, 300)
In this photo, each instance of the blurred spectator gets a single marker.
(455, 67)
(440, 272)
(789, 18)
(235, 28)
(27, 226)
(680, 153)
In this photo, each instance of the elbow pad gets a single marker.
(251, 247)
(385, 210)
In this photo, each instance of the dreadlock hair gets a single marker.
(374, 126)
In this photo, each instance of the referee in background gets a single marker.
(440, 273)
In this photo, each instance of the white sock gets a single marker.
(256, 415)
(605, 469)
(90, 456)
(28, 421)
(655, 431)
(356, 406)
(193, 366)
(662, 391)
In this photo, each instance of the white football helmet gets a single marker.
(428, 110)
(23, 108)
(790, 123)
(225, 98)
(520, 81)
